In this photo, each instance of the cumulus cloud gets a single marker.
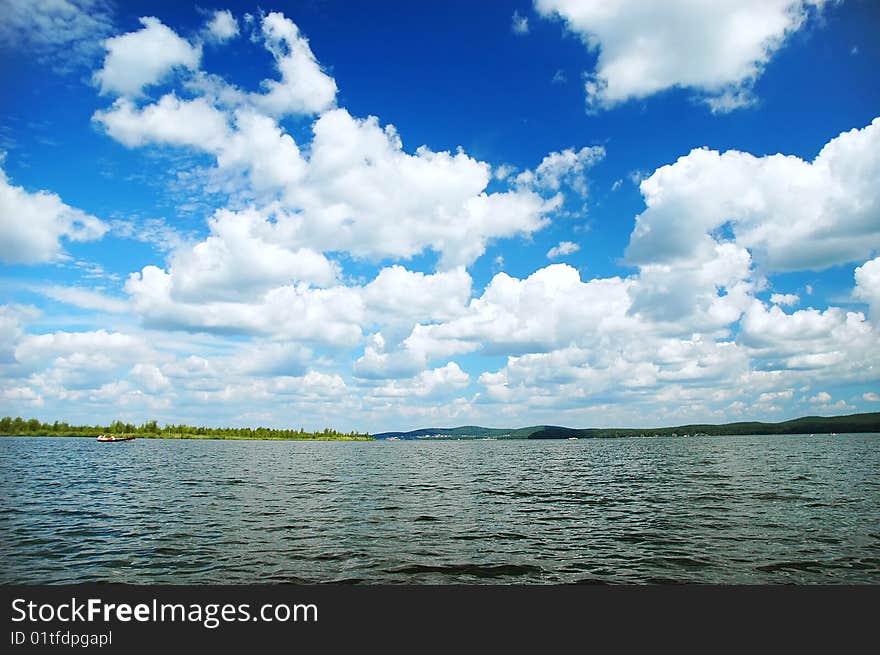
(562, 248)
(32, 225)
(170, 121)
(546, 310)
(683, 336)
(789, 299)
(574, 344)
(646, 46)
(143, 58)
(73, 361)
(432, 383)
(354, 187)
(243, 256)
(792, 214)
(237, 282)
(868, 286)
(222, 26)
(149, 378)
(563, 168)
(293, 311)
(706, 292)
(13, 319)
(359, 190)
(829, 341)
(400, 294)
(304, 88)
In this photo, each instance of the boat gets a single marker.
(572, 438)
(110, 438)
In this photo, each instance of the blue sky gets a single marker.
(386, 217)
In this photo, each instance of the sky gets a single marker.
(384, 216)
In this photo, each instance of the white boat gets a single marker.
(110, 438)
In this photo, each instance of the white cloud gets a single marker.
(399, 294)
(85, 298)
(44, 348)
(63, 33)
(374, 199)
(519, 24)
(683, 337)
(12, 321)
(149, 378)
(871, 396)
(260, 147)
(431, 384)
(294, 311)
(244, 256)
(566, 167)
(592, 346)
(21, 397)
(170, 121)
(822, 397)
(775, 396)
(222, 26)
(33, 224)
(562, 248)
(868, 286)
(788, 299)
(792, 214)
(63, 361)
(242, 280)
(547, 310)
(353, 187)
(304, 88)
(143, 58)
(832, 342)
(358, 191)
(686, 295)
(274, 359)
(646, 46)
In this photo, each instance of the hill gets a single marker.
(868, 422)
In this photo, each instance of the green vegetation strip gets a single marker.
(20, 427)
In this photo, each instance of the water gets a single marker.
(758, 509)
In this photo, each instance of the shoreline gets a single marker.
(185, 437)
(191, 437)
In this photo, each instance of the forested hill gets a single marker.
(869, 422)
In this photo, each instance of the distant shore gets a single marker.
(19, 427)
(196, 437)
(865, 422)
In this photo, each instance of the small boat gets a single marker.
(572, 438)
(110, 438)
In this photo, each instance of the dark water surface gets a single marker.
(762, 509)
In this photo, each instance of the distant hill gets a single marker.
(869, 422)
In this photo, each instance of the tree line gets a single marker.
(18, 426)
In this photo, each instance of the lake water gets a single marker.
(758, 509)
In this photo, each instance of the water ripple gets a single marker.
(708, 510)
